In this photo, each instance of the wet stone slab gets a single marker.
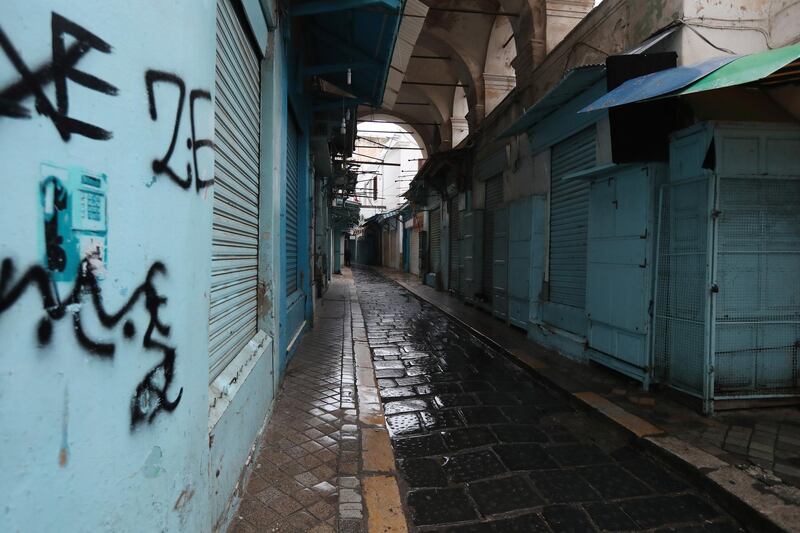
(482, 446)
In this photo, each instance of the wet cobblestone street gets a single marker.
(483, 446)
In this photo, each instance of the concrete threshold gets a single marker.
(758, 505)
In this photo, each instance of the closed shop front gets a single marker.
(436, 239)
(292, 205)
(727, 307)
(455, 266)
(414, 252)
(519, 260)
(494, 199)
(569, 214)
(622, 213)
(234, 262)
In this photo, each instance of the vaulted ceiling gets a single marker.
(467, 44)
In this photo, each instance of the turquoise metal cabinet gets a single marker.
(622, 215)
(519, 261)
(500, 264)
(728, 274)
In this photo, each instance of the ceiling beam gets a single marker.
(318, 7)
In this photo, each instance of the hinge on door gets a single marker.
(650, 309)
(714, 288)
(715, 213)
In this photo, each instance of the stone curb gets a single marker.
(751, 501)
(383, 505)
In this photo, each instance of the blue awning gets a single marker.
(358, 35)
(572, 84)
(658, 83)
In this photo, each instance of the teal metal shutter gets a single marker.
(292, 205)
(569, 216)
(494, 199)
(455, 244)
(436, 238)
(234, 254)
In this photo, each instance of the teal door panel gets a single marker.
(620, 268)
(537, 254)
(519, 260)
(500, 263)
(471, 250)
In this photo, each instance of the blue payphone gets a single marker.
(75, 224)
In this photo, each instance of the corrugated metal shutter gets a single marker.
(494, 199)
(292, 204)
(455, 244)
(234, 260)
(436, 239)
(569, 216)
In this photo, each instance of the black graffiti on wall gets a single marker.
(61, 68)
(162, 166)
(151, 395)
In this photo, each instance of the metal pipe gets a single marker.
(428, 56)
(366, 121)
(435, 84)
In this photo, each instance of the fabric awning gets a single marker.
(572, 84)
(657, 84)
(770, 68)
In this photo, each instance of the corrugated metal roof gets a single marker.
(658, 83)
(572, 84)
(352, 33)
(773, 67)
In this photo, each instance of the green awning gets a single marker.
(774, 66)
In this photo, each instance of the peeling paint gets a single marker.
(63, 453)
(184, 498)
(152, 466)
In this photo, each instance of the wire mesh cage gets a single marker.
(682, 326)
(757, 309)
(727, 302)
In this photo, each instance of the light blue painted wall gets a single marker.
(71, 459)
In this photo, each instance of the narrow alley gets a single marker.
(478, 443)
(391, 266)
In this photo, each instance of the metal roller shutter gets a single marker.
(234, 259)
(436, 239)
(569, 216)
(455, 244)
(292, 204)
(494, 199)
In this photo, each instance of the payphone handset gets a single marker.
(75, 220)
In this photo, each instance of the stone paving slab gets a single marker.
(480, 445)
(302, 479)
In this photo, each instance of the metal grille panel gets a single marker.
(292, 204)
(234, 261)
(757, 308)
(436, 238)
(681, 337)
(569, 217)
(455, 243)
